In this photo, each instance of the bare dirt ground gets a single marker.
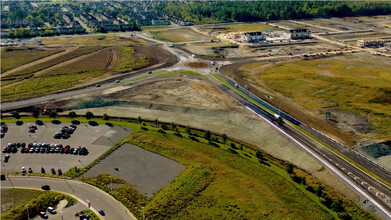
(28, 65)
(205, 107)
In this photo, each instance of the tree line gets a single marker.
(239, 11)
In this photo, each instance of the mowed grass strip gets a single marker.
(179, 35)
(62, 78)
(355, 84)
(12, 58)
(219, 183)
(27, 73)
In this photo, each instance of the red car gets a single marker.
(59, 172)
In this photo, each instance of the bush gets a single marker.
(89, 115)
(207, 135)
(161, 131)
(72, 114)
(289, 168)
(105, 117)
(233, 146)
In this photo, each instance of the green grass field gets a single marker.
(181, 72)
(154, 27)
(356, 84)
(12, 58)
(11, 198)
(228, 182)
(222, 180)
(129, 62)
(179, 35)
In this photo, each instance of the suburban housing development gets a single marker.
(195, 110)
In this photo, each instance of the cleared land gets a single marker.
(27, 73)
(241, 28)
(12, 58)
(180, 35)
(105, 40)
(356, 89)
(67, 72)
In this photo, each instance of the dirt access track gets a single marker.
(286, 105)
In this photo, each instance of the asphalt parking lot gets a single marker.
(97, 139)
(148, 171)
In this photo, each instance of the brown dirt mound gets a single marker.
(197, 64)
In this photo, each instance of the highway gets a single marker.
(83, 192)
(372, 189)
(375, 191)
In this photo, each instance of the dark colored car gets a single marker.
(53, 171)
(101, 212)
(45, 187)
(43, 170)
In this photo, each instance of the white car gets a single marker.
(23, 169)
(51, 210)
(117, 81)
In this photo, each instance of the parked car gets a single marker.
(97, 85)
(45, 187)
(43, 170)
(43, 215)
(6, 158)
(57, 135)
(53, 171)
(23, 170)
(30, 170)
(117, 81)
(51, 210)
(59, 172)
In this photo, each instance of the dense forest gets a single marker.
(241, 11)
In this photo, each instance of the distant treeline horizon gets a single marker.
(246, 11)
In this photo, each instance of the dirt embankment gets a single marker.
(156, 54)
(287, 105)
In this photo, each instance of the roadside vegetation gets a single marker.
(181, 72)
(35, 205)
(359, 85)
(223, 177)
(14, 57)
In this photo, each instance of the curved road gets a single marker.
(83, 192)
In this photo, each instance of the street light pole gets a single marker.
(28, 214)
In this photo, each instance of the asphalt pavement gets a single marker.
(82, 192)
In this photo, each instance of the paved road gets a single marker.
(375, 191)
(83, 192)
